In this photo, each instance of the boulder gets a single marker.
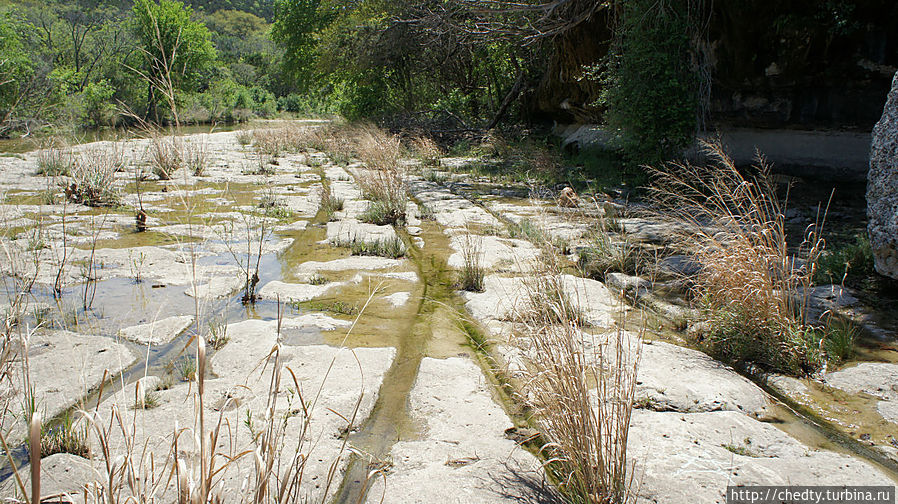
(882, 188)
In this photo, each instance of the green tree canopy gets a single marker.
(16, 68)
(172, 42)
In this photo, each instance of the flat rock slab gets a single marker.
(217, 287)
(157, 332)
(878, 379)
(505, 298)
(689, 458)
(463, 455)
(349, 264)
(349, 230)
(329, 381)
(61, 474)
(492, 251)
(685, 380)
(296, 292)
(450, 210)
(64, 367)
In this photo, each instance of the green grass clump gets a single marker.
(383, 213)
(54, 162)
(849, 264)
(330, 204)
(65, 437)
(392, 248)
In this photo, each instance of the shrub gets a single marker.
(649, 90)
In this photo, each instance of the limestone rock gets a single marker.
(463, 455)
(157, 332)
(711, 385)
(689, 458)
(882, 188)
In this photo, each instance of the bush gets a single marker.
(649, 91)
(96, 104)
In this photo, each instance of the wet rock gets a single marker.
(398, 299)
(874, 378)
(463, 446)
(688, 458)
(157, 332)
(882, 188)
(824, 298)
(350, 263)
(647, 230)
(673, 378)
(349, 230)
(294, 292)
(791, 386)
(878, 379)
(679, 266)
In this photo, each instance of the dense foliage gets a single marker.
(643, 68)
(91, 63)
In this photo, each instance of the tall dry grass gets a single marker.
(425, 149)
(166, 155)
(582, 389)
(753, 284)
(383, 180)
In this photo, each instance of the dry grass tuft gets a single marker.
(271, 141)
(166, 156)
(196, 157)
(426, 150)
(54, 159)
(582, 389)
(752, 285)
(93, 178)
(470, 277)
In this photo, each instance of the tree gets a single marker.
(16, 70)
(295, 27)
(177, 51)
